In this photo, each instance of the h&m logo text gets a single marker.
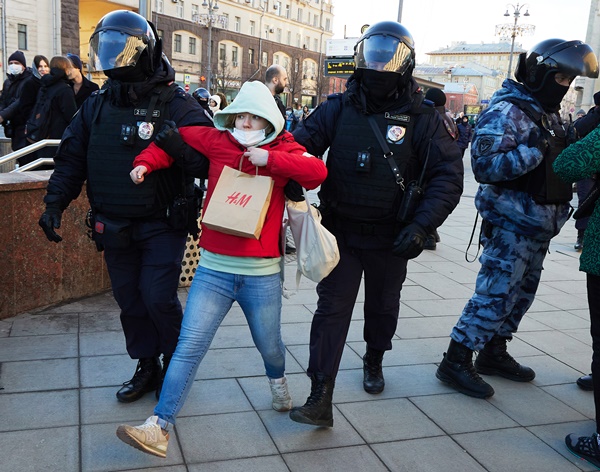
(238, 199)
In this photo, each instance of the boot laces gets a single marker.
(588, 445)
(373, 366)
(139, 377)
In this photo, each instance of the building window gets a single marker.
(180, 9)
(251, 56)
(265, 58)
(298, 40)
(161, 34)
(22, 33)
(276, 59)
(328, 24)
(234, 55)
(289, 38)
(279, 35)
(193, 46)
(316, 21)
(195, 12)
(287, 12)
(222, 52)
(299, 17)
(307, 43)
(252, 28)
(177, 43)
(308, 19)
(237, 25)
(316, 45)
(160, 8)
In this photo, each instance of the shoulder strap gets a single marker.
(387, 153)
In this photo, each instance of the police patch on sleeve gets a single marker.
(395, 134)
(485, 145)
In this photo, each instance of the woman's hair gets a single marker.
(223, 103)
(39, 58)
(230, 123)
(60, 62)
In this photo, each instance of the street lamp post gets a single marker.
(209, 20)
(512, 30)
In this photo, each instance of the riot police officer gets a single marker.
(523, 205)
(141, 229)
(202, 96)
(380, 137)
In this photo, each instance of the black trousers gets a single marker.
(384, 275)
(144, 278)
(593, 293)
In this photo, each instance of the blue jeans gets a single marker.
(211, 295)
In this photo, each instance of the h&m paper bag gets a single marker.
(239, 203)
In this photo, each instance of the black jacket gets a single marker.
(18, 97)
(444, 172)
(63, 107)
(87, 88)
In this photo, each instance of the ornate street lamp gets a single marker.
(512, 30)
(209, 20)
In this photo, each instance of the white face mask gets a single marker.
(248, 138)
(15, 69)
(214, 109)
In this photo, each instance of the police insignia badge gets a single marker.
(485, 144)
(395, 134)
(145, 130)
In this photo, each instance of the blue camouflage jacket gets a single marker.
(503, 149)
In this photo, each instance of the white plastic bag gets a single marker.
(316, 248)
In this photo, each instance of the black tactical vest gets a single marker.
(367, 195)
(116, 138)
(544, 186)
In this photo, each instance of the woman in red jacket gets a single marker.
(232, 268)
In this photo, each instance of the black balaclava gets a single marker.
(550, 93)
(380, 87)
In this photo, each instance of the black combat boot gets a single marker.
(165, 365)
(493, 359)
(146, 378)
(373, 381)
(456, 369)
(317, 410)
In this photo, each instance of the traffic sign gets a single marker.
(186, 87)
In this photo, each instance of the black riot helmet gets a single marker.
(572, 58)
(386, 46)
(201, 94)
(125, 44)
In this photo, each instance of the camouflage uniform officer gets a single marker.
(523, 205)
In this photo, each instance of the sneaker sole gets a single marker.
(500, 373)
(282, 407)
(304, 420)
(596, 464)
(373, 391)
(124, 436)
(458, 388)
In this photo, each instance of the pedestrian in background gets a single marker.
(465, 132)
(16, 102)
(55, 89)
(142, 231)
(523, 205)
(82, 86)
(380, 113)
(581, 160)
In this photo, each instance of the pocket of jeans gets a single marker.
(494, 277)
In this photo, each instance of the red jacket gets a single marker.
(287, 160)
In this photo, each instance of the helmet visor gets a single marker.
(574, 58)
(383, 53)
(111, 49)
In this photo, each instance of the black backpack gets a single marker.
(38, 124)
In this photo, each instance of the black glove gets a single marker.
(409, 242)
(170, 141)
(49, 220)
(537, 140)
(293, 191)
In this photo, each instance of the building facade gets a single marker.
(246, 36)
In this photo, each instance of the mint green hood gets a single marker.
(255, 98)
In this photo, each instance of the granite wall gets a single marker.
(33, 271)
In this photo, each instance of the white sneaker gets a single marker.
(149, 437)
(281, 397)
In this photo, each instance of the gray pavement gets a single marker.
(61, 366)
